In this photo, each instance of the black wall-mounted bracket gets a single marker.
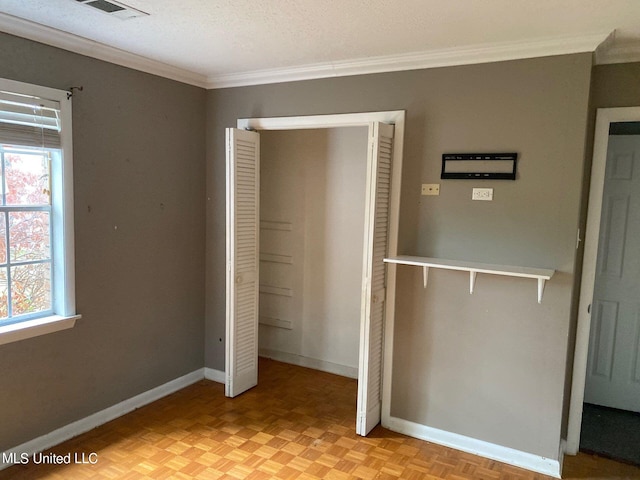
(479, 166)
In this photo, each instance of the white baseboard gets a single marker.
(561, 453)
(99, 418)
(316, 364)
(529, 461)
(214, 375)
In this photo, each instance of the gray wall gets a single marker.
(490, 366)
(616, 85)
(139, 153)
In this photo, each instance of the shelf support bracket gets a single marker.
(540, 289)
(539, 274)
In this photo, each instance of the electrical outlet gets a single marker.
(430, 189)
(482, 194)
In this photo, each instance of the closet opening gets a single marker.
(312, 205)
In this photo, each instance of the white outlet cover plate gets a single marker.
(485, 194)
(430, 189)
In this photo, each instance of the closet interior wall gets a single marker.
(312, 199)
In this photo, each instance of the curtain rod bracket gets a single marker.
(71, 89)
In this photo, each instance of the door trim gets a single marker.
(397, 118)
(605, 116)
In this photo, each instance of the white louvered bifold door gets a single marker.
(243, 219)
(374, 271)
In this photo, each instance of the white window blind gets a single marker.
(29, 121)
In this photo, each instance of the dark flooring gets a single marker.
(611, 433)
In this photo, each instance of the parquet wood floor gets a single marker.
(298, 424)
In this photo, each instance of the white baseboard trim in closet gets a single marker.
(316, 364)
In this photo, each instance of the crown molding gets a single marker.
(618, 53)
(413, 61)
(615, 50)
(495, 52)
(83, 46)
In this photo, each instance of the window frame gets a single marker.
(63, 314)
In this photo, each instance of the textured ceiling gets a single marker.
(214, 38)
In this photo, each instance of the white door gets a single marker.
(613, 367)
(374, 276)
(242, 222)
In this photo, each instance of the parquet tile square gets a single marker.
(298, 424)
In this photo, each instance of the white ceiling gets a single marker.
(217, 43)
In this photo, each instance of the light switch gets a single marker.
(482, 194)
(430, 189)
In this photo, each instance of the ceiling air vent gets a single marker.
(113, 8)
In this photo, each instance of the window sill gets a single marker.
(36, 327)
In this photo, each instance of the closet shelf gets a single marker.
(474, 268)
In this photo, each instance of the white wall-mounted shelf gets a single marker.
(540, 274)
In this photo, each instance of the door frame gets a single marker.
(364, 119)
(604, 118)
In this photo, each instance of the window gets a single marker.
(25, 233)
(37, 288)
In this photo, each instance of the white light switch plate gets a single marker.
(482, 194)
(430, 189)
